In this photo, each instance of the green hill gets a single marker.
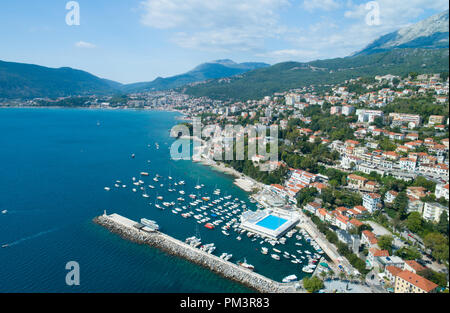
(289, 75)
(18, 80)
(211, 70)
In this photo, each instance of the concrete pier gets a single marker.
(127, 230)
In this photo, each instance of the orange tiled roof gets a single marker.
(416, 266)
(417, 281)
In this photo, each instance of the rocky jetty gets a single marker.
(175, 247)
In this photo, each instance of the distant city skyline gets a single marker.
(138, 40)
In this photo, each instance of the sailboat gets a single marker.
(145, 195)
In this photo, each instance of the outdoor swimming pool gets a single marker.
(271, 222)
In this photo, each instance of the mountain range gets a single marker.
(420, 47)
(431, 33)
(19, 80)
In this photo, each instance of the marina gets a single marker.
(241, 272)
(225, 218)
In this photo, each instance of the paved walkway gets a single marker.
(326, 246)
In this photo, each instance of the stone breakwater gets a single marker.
(181, 249)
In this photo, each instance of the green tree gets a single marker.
(313, 284)
(438, 244)
(437, 278)
(385, 243)
(305, 196)
(408, 253)
(442, 225)
(400, 204)
(414, 222)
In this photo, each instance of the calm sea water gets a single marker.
(54, 165)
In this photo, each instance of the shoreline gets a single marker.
(241, 180)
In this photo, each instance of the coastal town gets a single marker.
(366, 172)
(364, 164)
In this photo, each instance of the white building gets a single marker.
(441, 191)
(372, 201)
(432, 211)
(368, 116)
(408, 164)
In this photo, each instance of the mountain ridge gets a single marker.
(430, 33)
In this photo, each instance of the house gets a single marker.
(413, 266)
(412, 136)
(368, 238)
(374, 253)
(442, 191)
(356, 181)
(385, 261)
(319, 186)
(414, 205)
(391, 272)
(312, 207)
(372, 201)
(360, 209)
(391, 155)
(408, 164)
(278, 189)
(342, 221)
(351, 143)
(403, 149)
(418, 192)
(409, 282)
(356, 223)
(414, 144)
(432, 211)
(390, 196)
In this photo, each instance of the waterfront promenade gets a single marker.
(126, 229)
(326, 246)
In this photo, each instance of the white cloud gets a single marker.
(85, 45)
(396, 13)
(325, 5)
(290, 54)
(216, 24)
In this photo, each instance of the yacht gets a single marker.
(307, 269)
(246, 265)
(107, 188)
(150, 224)
(289, 279)
(275, 257)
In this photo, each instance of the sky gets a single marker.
(138, 40)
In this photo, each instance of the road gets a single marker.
(326, 246)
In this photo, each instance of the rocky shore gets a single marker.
(175, 247)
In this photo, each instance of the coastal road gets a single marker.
(326, 246)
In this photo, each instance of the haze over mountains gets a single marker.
(205, 71)
(431, 33)
(419, 47)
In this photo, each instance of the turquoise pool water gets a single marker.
(271, 222)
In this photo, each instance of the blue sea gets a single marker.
(54, 165)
